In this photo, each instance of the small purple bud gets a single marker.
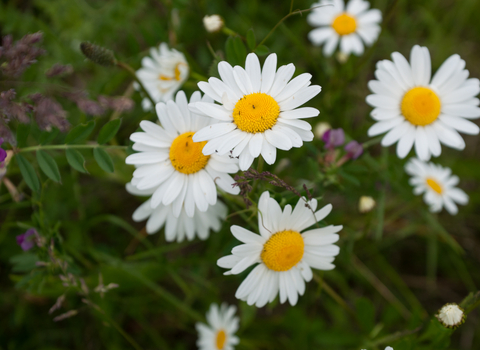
(3, 153)
(24, 240)
(354, 149)
(333, 138)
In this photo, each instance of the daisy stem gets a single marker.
(198, 77)
(291, 13)
(42, 147)
(334, 295)
(132, 72)
(372, 142)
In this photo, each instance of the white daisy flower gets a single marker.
(438, 185)
(173, 166)
(258, 110)
(347, 24)
(415, 109)
(162, 74)
(177, 228)
(284, 255)
(219, 334)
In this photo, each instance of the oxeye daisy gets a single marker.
(162, 74)
(177, 228)
(438, 185)
(349, 25)
(284, 255)
(172, 165)
(257, 111)
(219, 333)
(417, 110)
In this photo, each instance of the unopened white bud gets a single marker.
(321, 128)
(213, 23)
(451, 315)
(366, 204)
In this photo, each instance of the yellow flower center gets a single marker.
(344, 24)
(221, 338)
(283, 250)
(421, 106)
(256, 112)
(434, 185)
(186, 156)
(177, 74)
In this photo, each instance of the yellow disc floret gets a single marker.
(344, 24)
(256, 112)
(186, 156)
(283, 250)
(421, 106)
(434, 185)
(221, 338)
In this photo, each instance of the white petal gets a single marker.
(268, 73)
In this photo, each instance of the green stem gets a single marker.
(372, 142)
(42, 147)
(381, 200)
(132, 72)
(296, 12)
(335, 296)
(198, 77)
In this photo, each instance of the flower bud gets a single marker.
(366, 204)
(321, 128)
(333, 138)
(451, 315)
(98, 54)
(213, 23)
(354, 149)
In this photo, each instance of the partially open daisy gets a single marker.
(284, 255)
(348, 25)
(219, 334)
(162, 74)
(171, 164)
(438, 185)
(258, 110)
(417, 110)
(177, 228)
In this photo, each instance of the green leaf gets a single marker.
(365, 313)
(230, 51)
(76, 160)
(251, 41)
(240, 50)
(103, 159)
(28, 173)
(46, 137)
(262, 50)
(80, 132)
(48, 165)
(22, 134)
(108, 131)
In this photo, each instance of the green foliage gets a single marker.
(48, 165)
(398, 264)
(103, 159)
(28, 173)
(108, 131)
(76, 160)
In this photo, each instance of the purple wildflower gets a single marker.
(333, 138)
(354, 149)
(25, 240)
(3, 153)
